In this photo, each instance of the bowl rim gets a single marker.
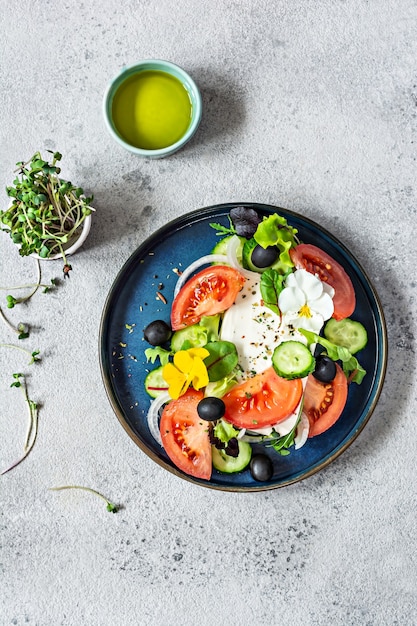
(159, 65)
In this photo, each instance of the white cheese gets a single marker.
(254, 329)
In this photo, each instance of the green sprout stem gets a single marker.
(28, 286)
(22, 330)
(111, 507)
(32, 431)
(34, 356)
(35, 286)
(18, 330)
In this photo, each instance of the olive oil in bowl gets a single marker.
(152, 110)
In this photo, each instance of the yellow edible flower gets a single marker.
(187, 369)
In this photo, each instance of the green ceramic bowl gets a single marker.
(152, 108)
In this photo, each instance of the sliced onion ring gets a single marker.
(232, 259)
(208, 259)
(302, 431)
(153, 415)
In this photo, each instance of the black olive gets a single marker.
(211, 408)
(264, 257)
(325, 369)
(158, 332)
(261, 467)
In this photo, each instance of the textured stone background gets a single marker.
(307, 105)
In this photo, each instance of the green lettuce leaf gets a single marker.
(350, 364)
(211, 324)
(154, 353)
(220, 387)
(197, 335)
(224, 431)
(275, 231)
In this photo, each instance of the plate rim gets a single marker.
(177, 223)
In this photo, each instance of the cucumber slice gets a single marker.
(292, 359)
(221, 247)
(247, 250)
(230, 464)
(155, 383)
(346, 333)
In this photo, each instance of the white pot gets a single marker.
(73, 245)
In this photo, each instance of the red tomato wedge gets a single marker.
(185, 437)
(263, 400)
(324, 402)
(211, 291)
(316, 261)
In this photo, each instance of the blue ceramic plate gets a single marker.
(133, 302)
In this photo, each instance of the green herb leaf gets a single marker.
(282, 445)
(223, 230)
(222, 360)
(272, 283)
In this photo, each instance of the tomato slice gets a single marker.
(316, 261)
(211, 291)
(263, 400)
(185, 437)
(324, 402)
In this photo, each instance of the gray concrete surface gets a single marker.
(307, 105)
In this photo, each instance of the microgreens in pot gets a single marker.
(47, 212)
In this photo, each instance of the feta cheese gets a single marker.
(254, 329)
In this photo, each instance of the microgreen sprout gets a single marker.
(46, 212)
(12, 301)
(22, 329)
(111, 507)
(34, 356)
(19, 382)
